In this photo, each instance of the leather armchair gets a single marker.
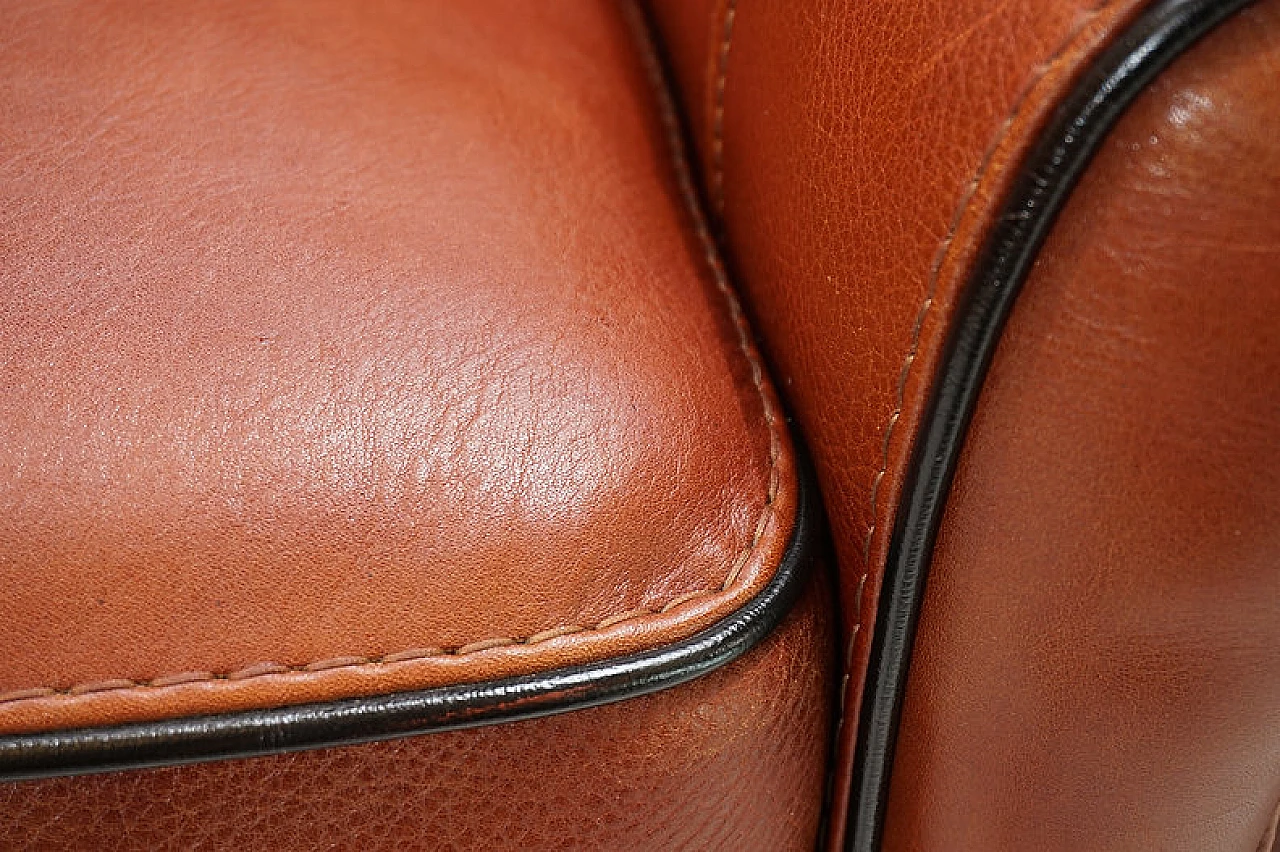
(590, 425)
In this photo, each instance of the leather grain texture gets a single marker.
(732, 761)
(352, 348)
(1098, 661)
(858, 153)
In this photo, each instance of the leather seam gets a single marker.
(715, 264)
(689, 197)
(1044, 67)
(264, 669)
(717, 106)
(940, 255)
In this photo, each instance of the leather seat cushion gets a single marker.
(351, 348)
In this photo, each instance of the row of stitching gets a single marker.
(264, 669)
(935, 270)
(711, 254)
(689, 197)
(717, 107)
(940, 256)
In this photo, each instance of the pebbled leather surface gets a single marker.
(1098, 662)
(862, 151)
(351, 348)
(732, 761)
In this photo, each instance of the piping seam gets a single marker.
(935, 270)
(940, 256)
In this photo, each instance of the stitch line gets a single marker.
(944, 247)
(689, 196)
(711, 254)
(264, 669)
(1038, 72)
(717, 107)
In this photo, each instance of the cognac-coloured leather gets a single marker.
(697, 36)
(858, 153)
(351, 348)
(732, 761)
(1098, 658)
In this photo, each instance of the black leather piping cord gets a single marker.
(1156, 38)
(359, 720)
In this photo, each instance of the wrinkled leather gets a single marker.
(858, 152)
(344, 342)
(732, 761)
(1098, 659)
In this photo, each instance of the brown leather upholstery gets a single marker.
(732, 761)
(1098, 664)
(353, 349)
(356, 348)
(359, 348)
(697, 38)
(852, 139)
(858, 152)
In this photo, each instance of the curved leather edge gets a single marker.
(360, 720)
(1084, 118)
(275, 680)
